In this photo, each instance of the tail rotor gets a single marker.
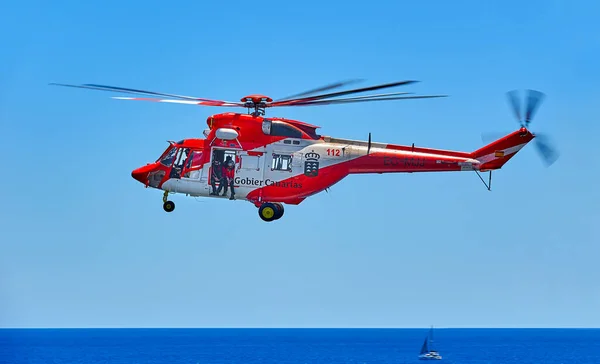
(532, 101)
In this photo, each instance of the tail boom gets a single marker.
(388, 158)
(398, 161)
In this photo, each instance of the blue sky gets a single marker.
(85, 245)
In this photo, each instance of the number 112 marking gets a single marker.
(333, 152)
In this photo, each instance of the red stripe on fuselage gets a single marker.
(295, 189)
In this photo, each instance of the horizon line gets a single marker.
(291, 328)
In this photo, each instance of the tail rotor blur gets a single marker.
(533, 99)
(524, 113)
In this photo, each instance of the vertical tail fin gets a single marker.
(497, 153)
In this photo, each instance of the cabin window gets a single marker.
(250, 162)
(281, 162)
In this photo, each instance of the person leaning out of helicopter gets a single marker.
(216, 175)
(228, 174)
(224, 182)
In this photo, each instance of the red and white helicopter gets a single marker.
(270, 161)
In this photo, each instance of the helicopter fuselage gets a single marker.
(275, 161)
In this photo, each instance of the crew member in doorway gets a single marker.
(216, 176)
(228, 174)
(224, 182)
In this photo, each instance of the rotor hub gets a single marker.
(256, 102)
(256, 99)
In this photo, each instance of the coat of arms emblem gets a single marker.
(311, 165)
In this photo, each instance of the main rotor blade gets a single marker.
(515, 103)
(534, 99)
(341, 93)
(349, 101)
(548, 153)
(321, 89)
(189, 102)
(353, 98)
(141, 92)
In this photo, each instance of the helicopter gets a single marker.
(272, 161)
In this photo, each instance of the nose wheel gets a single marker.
(270, 211)
(168, 206)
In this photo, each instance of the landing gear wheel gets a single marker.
(279, 211)
(169, 206)
(267, 212)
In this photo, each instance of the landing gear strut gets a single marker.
(168, 206)
(270, 211)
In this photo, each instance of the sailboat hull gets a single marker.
(430, 356)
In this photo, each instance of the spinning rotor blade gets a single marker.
(341, 93)
(357, 97)
(534, 99)
(189, 102)
(513, 99)
(259, 106)
(353, 100)
(547, 152)
(142, 92)
(320, 89)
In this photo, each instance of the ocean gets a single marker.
(190, 346)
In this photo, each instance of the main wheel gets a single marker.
(267, 212)
(279, 210)
(169, 206)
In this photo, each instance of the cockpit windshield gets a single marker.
(176, 157)
(180, 158)
(168, 157)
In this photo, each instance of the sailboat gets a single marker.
(427, 352)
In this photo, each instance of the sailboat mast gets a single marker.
(431, 339)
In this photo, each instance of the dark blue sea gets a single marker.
(464, 346)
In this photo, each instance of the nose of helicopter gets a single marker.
(141, 174)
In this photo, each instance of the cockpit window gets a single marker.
(180, 159)
(168, 158)
(195, 161)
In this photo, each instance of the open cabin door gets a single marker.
(248, 171)
(219, 157)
